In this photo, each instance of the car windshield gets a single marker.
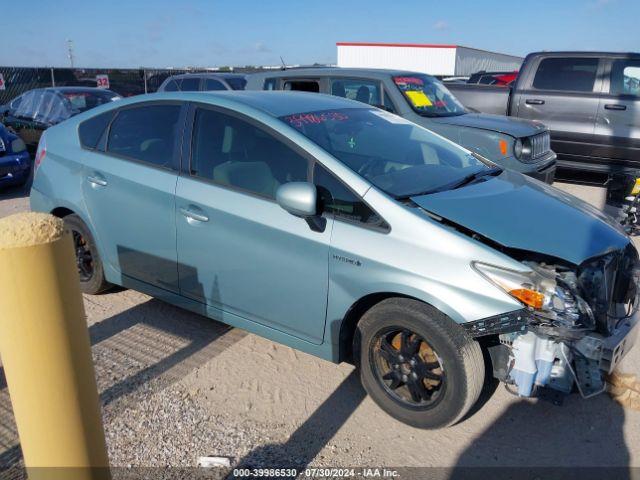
(237, 83)
(397, 156)
(81, 100)
(428, 96)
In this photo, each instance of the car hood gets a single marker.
(522, 213)
(515, 127)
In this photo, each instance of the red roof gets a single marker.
(414, 45)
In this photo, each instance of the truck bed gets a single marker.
(483, 98)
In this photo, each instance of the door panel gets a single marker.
(251, 258)
(132, 209)
(564, 95)
(618, 120)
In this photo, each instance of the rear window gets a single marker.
(302, 86)
(566, 74)
(91, 131)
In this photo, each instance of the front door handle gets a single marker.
(96, 180)
(192, 215)
(615, 106)
(534, 101)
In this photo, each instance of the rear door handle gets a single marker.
(534, 101)
(193, 215)
(615, 106)
(97, 180)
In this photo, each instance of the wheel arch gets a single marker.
(355, 313)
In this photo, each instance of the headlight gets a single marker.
(541, 289)
(18, 146)
(522, 149)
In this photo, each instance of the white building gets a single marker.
(443, 60)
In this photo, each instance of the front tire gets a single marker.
(90, 268)
(417, 364)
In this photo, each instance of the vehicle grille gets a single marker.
(609, 284)
(540, 145)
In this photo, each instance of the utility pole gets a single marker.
(70, 51)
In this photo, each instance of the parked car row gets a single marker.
(341, 229)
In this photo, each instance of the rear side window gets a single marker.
(211, 84)
(625, 77)
(566, 74)
(302, 86)
(172, 86)
(337, 199)
(91, 131)
(146, 133)
(190, 84)
(365, 91)
(270, 84)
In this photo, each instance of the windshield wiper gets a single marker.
(493, 171)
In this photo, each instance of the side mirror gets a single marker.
(298, 198)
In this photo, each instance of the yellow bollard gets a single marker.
(45, 350)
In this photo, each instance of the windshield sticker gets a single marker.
(404, 81)
(299, 119)
(352, 143)
(418, 98)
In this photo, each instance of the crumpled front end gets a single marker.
(585, 322)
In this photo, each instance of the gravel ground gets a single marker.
(176, 386)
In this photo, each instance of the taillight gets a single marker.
(40, 153)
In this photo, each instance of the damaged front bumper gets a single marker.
(537, 349)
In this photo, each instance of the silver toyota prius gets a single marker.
(350, 233)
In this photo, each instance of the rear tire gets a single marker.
(417, 364)
(90, 268)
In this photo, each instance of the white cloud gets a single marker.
(441, 25)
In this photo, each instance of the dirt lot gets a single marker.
(176, 386)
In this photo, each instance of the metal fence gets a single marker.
(126, 82)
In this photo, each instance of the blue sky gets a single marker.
(162, 33)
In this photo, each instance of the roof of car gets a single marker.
(336, 71)
(276, 103)
(209, 75)
(77, 89)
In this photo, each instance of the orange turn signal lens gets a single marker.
(503, 147)
(529, 297)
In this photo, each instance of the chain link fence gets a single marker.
(124, 81)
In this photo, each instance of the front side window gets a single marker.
(211, 84)
(237, 83)
(81, 101)
(230, 151)
(428, 96)
(397, 156)
(365, 91)
(190, 84)
(566, 74)
(147, 133)
(337, 199)
(625, 77)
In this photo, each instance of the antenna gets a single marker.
(70, 51)
(284, 65)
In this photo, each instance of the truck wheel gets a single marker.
(417, 364)
(90, 269)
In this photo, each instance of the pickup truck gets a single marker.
(590, 101)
